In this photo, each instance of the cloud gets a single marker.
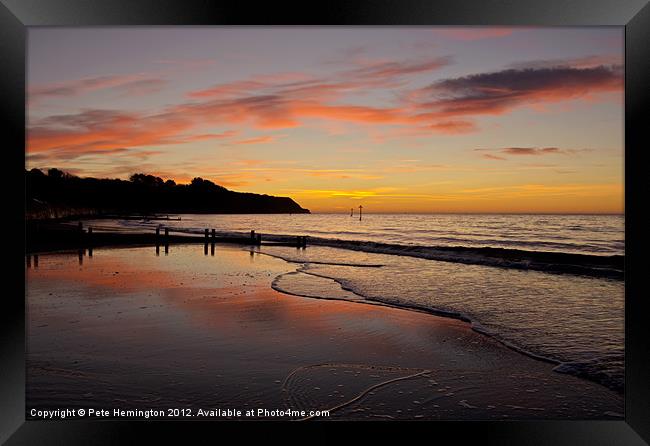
(391, 70)
(209, 136)
(278, 111)
(256, 85)
(274, 101)
(231, 89)
(256, 140)
(530, 150)
(101, 130)
(474, 33)
(527, 151)
(126, 84)
(301, 86)
(121, 161)
(283, 100)
(493, 157)
(66, 155)
(453, 127)
(591, 61)
(287, 100)
(500, 91)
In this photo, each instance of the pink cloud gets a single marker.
(289, 100)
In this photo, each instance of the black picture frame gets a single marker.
(17, 15)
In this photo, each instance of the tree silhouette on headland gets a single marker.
(58, 193)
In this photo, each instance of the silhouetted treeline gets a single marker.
(59, 194)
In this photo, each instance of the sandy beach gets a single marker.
(130, 329)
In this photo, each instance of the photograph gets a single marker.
(325, 223)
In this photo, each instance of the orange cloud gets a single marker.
(257, 140)
(453, 127)
(100, 130)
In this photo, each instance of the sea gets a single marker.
(549, 286)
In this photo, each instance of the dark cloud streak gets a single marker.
(497, 154)
(500, 91)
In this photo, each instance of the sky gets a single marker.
(397, 119)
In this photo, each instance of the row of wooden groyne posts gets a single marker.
(254, 239)
(210, 236)
(86, 239)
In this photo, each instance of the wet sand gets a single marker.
(130, 329)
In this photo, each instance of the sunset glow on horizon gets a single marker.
(397, 119)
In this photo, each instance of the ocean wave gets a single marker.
(606, 371)
(552, 261)
(611, 266)
(298, 259)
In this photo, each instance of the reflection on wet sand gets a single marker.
(127, 328)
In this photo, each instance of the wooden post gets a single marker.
(214, 235)
(212, 249)
(80, 233)
(206, 235)
(166, 241)
(158, 240)
(360, 207)
(252, 236)
(259, 239)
